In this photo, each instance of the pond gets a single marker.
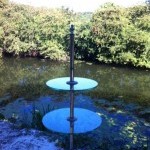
(122, 99)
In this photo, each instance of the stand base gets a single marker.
(57, 120)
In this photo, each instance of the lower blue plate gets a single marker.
(57, 120)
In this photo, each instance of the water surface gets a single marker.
(121, 99)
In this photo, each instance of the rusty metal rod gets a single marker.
(71, 86)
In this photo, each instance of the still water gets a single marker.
(122, 99)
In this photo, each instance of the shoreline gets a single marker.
(28, 139)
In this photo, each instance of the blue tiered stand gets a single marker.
(71, 120)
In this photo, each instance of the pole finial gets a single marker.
(72, 29)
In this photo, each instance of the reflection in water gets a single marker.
(27, 77)
(120, 127)
(122, 99)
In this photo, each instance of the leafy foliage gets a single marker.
(111, 34)
(117, 35)
(25, 31)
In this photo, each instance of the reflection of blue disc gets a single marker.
(61, 84)
(57, 120)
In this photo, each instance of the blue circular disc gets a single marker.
(61, 84)
(57, 120)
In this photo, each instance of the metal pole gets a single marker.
(72, 53)
(71, 72)
(71, 119)
(71, 83)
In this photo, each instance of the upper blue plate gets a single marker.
(60, 84)
(57, 120)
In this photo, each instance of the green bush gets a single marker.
(116, 35)
(26, 31)
(111, 34)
